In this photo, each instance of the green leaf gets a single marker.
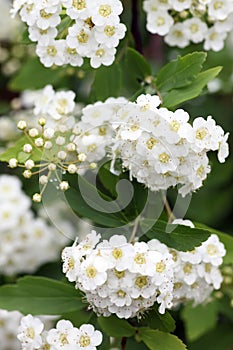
(107, 83)
(90, 203)
(78, 317)
(180, 72)
(116, 327)
(40, 296)
(199, 320)
(179, 237)
(176, 96)
(220, 338)
(157, 340)
(155, 320)
(16, 151)
(33, 75)
(130, 207)
(136, 69)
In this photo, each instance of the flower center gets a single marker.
(30, 333)
(212, 249)
(151, 143)
(105, 10)
(141, 281)
(201, 133)
(83, 37)
(109, 30)
(160, 267)
(84, 341)
(117, 253)
(187, 268)
(51, 51)
(164, 158)
(140, 259)
(91, 272)
(121, 293)
(79, 4)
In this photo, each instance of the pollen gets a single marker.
(51, 51)
(105, 10)
(83, 37)
(211, 249)
(164, 158)
(91, 272)
(110, 30)
(160, 267)
(140, 259)
(79, 4)
(84, 341)
(188, 268)
(151, 143)
(30, 333)
(201, 133)
(141, 281)
(117, 253)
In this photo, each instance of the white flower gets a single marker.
(58, 338)
(52, 53)
(212, 251)
(183, 222)
(105, 10)
(220, 9)
(160, 23)
(30, 332)
(214, 40)
(85, 337)
(180, 5)
(177, 36)
(62, 104)
(117, 251)
(196, 29)
(223, 151)
(102, 55)
(42, 36)
(92, 273)
(109, 34)
(81, 38)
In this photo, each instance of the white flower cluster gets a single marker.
(32, 335)
(67, 31)
(160, 148)
(9, 324)
(182, 22)
(126, 279)
(26, 242)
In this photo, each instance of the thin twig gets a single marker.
(170, 214)
(135, 26)
(134, 229)
(123, 343)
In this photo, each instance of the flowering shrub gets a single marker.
(116, 138)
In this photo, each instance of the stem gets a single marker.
(134, 229)
(123, 343)
(170, 214)
(135, 26)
